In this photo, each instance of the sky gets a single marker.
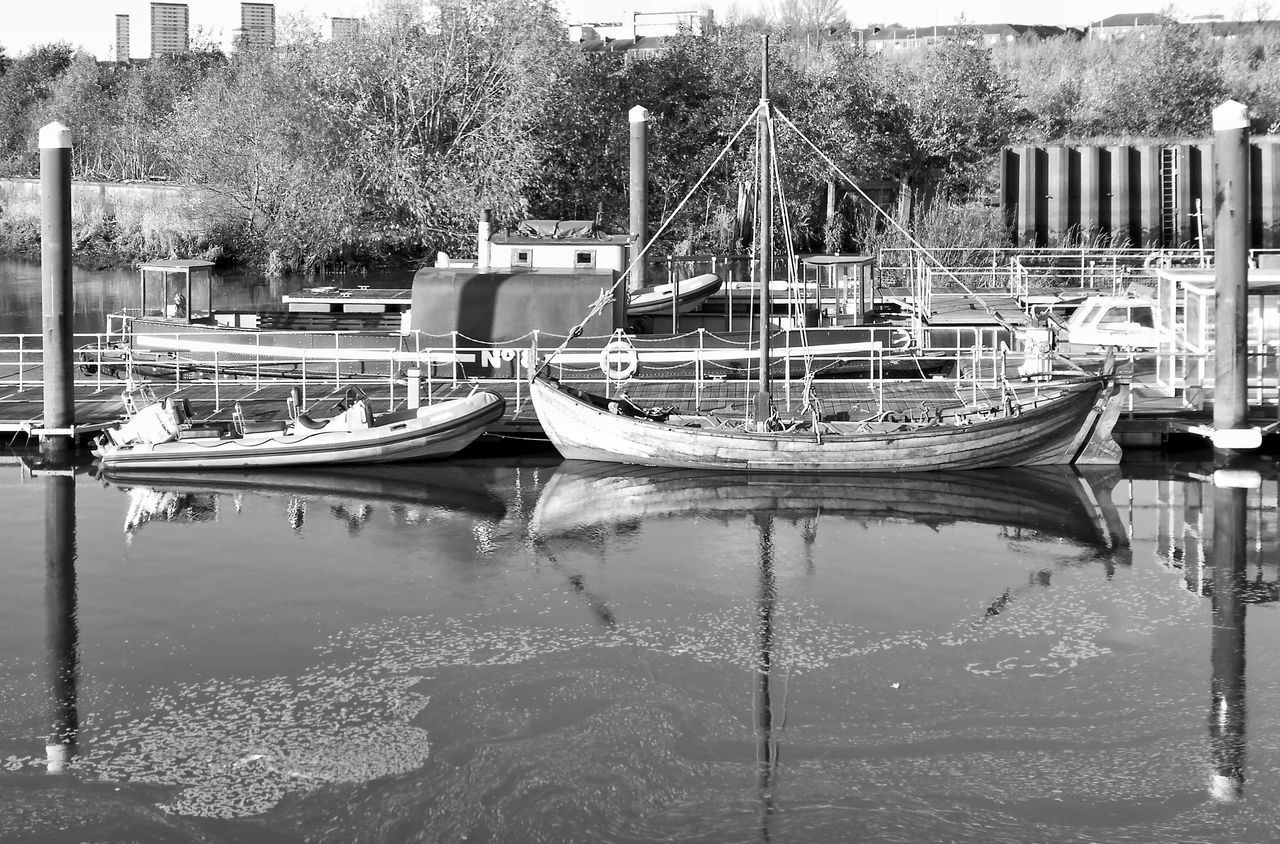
(90, 24)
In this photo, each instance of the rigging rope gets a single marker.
(788, 238)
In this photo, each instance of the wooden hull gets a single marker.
(443, 429)
(1060, 428)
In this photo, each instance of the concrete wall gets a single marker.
(112, 197)
(1065, 195)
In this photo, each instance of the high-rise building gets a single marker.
(344, 27)
(122, 38)
(170, 27)
(257, 26)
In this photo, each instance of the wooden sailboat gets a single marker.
(1069, 421)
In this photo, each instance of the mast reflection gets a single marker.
(766, 743)
(63, 630)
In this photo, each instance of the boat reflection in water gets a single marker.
(1070, 503)
(411, 494)
(585, 503)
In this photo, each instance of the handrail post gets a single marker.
(699, 369)
(430, 368)
(454, 335)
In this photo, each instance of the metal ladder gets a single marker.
(1169, 197)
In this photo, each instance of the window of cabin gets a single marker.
(584, 258)
(522, 258)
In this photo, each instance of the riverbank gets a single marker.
(113, 224)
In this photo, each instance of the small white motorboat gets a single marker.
(683, 295)
(163, 435)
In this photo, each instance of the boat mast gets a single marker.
(763, 406)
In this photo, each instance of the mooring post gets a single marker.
(55, 283)
(639, 118)
(1231, 278)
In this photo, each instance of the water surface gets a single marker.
(522, 649)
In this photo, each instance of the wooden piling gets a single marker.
(1231, 262)
(55, 282)
(639, 119)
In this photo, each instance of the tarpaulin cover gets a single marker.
(557, 228)
(506, 304)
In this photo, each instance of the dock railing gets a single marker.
(981, 356)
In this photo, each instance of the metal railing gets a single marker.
(981, 356)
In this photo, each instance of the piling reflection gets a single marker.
(63, 632)
(1215, 528)
(1228, 594)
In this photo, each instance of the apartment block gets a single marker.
(257, 26)
(170, 28)
(344, 28)
(122, 38)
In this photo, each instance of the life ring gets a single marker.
(618, 360)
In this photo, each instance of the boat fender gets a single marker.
(618, 360)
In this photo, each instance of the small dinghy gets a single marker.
(684, 295)
(164, 435)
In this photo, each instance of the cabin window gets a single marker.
(584, 258)
(1140, 316)
(522, 258)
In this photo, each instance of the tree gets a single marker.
(24, 86)
(1165, 85)
(390, 144)
(846, 102)
(804, 19)
(961, 114)
(82, 99)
